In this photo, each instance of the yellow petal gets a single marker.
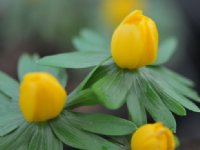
(41, 97)
(135, 41)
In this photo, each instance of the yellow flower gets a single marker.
(153, 137)
(135, 42)
(41, 97)
(115, 10)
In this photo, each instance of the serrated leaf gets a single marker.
(27, 64)
(75, 59)
(10, 116)
(154, 104)
(9, 86)
(17, 139)
(166, 50)
(90, 41)
(44, 139)
(79, 139)
(101, 123)
(135, 108)
(112, 89)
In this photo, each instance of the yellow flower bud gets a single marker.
(41, 97)
(135, 42)
(115, 10)
(153, 137)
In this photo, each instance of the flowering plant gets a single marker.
(36, 116)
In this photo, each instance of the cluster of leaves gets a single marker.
(75, 129)
(152, 89)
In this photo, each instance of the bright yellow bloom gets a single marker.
(41, 97)
(153, 137)
(115, 10)
(135, 42)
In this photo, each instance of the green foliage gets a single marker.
(90, 41)
(166, 50)
(149, 89)
(43, 138)
(10, 117)
(9, 86)
(18, 139)
(74, 137)
(101, 123)
(74, 129)
(135, 108)
(74, 59)
(27, 64)
(152, 90)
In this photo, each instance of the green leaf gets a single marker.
(18, 139)
(172, 104)
(90, 41)
(135, 108)
(9, 86)
(27, 64)
(101, 123)
(83, 85)
(124, 142)
(112, 89)
(74, 59)
(83, 98)
(170, 74)
(154, 104)
(170, 93)
(177, 141)
(179, 86)
(44, 139)
(79, 139)
(10, 116)
(166, 50)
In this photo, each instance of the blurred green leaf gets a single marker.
(124, 141)
(27, 64)
(172, 104)
(10, 115)
(74, 59)
(44, 139)
(179, 86)
(170, 74)
(78, 138)
(9, 86)
(179, 98)
(112, 88)
(83, 85)
(154, 104)
(166, 50)
(83, 98)
(177, 141)
(135, 108)
(101, 123)
(90, 41)
(18, 139)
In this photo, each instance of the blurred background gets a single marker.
(48, 27)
